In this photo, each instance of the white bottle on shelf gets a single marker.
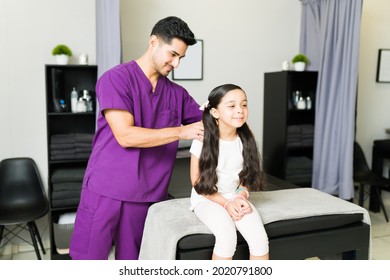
(88, 99)
(301, 104)
(81, 105)
(308, 103)
(73, 100)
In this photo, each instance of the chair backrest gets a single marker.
(359, 160)
(22, 194)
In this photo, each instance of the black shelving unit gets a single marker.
(283, 122)
(60, 80)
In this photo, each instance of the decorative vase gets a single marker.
(62, 59)
(299, 66)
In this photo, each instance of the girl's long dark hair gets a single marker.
(251, 175)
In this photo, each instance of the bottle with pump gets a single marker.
(81, 105)
(74, 96)
(301, 105)
(88, 100)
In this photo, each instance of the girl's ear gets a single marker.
(214, 113)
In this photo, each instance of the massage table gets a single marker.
(301, 223)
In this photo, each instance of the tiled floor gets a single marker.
(380, 239)
(381, 232)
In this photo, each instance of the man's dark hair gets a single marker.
(173, 27)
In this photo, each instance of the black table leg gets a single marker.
(377, 168)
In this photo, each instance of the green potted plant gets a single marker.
(300, 61)
(62, 54)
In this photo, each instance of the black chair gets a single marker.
(22, 201)
(364, 177)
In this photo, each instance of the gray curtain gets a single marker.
(108, 36)
(330, 35)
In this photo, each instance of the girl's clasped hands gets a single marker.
(238, 207)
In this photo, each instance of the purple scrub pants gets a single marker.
(102, 221)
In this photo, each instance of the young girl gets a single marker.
(224, 168)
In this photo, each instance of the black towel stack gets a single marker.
(293, 136)
(300, 135)
(299, 170)
(307, 135)
(66, 186)
(70, 146)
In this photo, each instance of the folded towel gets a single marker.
(293, 138)
(300, 161)
(58, 195)
(294, 129)
(84, 138)
(67, 186)
(307, 143)
(70, 151)
(300, 135)
(83, 155)
(83, 145)
(71, 138)
(56, 152)
(71, 156)
(57, 146)
(83, 149)
(298, 171)
(63, 156)
(62, 138)
(65, 175)
(68, 202)
(307, 129)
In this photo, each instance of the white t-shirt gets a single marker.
(230, 164)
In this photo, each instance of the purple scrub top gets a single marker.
(136, 174)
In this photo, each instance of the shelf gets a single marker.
(284, 124)
(301, 110)
(76, 66)
(60, 80)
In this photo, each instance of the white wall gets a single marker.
(242, 40)
(28, 32)
(373, 98)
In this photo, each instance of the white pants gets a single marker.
(218, 220)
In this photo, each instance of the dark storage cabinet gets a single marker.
(69, 140)
(288, 132)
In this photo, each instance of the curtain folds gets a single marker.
(108, 34)
(330, 36)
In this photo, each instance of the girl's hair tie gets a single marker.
(204, 106)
